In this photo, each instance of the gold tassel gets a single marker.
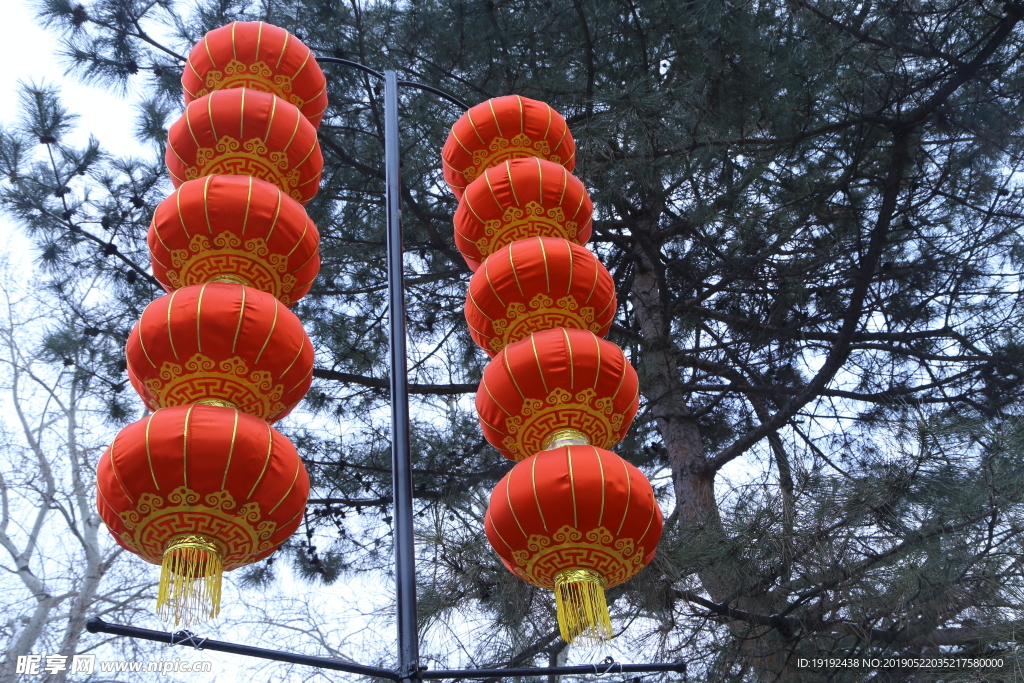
(581, 607)
(189, 581)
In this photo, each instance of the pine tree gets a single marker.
(811, 211)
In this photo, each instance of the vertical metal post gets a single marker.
(401, 456)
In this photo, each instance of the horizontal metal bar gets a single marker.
(96, 625)
(593, 669)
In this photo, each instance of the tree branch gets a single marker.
(384, 384)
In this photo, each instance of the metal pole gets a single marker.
(401, 456)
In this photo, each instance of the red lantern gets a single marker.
(552, 381)
(221, 342)
(252, 54)
(538, 284)
(234, 228)
(199, 489)
(500, 129)
(517, 200)
(246, 132)
(575, 520)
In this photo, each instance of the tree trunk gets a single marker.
(693, 481)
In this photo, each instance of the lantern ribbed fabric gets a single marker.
(538, 284)
(555, 394)
(555, 380)
(246, 132)
(252, 54)
(231, 227)
(504, 128)
(200, 489)
(576, 520)
(204, 484)
(221, 342)
(518, 200)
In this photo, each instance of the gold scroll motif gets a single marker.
(616, 560)
(502, 149)
(239, 533)
(562, 409)
(541, 313)
(252, 157)
(200, 377)
(517, 223)
(258, 76)
(252, 262)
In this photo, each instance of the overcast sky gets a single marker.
(28, 54)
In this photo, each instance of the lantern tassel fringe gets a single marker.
(581, 607)
(190, 581)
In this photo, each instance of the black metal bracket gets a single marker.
(583, 670)
(186, 638)
(412, 84)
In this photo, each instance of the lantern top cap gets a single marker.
(256, 55)
(502, 128)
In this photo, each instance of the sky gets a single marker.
(29, 54)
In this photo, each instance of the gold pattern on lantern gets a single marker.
(258, 76)
(217, 514)
(503, 149)
(252, 157)
(584, 411)
(545, 313)
(523, 223)
(252, 391)
(251, 263)
(614, 559)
